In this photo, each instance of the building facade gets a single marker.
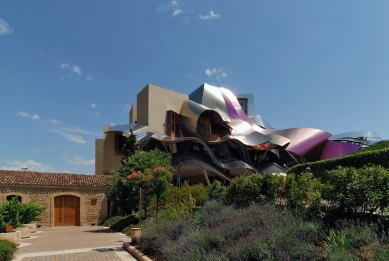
(214, 134)
(69, 199)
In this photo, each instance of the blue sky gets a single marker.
(67, 68)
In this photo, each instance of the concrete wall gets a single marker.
(44, 196)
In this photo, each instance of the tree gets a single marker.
(127, 195)
(154, 181)
(116, 192)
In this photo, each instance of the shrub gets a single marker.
(274, 187)
(10, 212)
(220, 232)
(30, 211)
(216, 190)
(245, 190)
(7, 250)
(349, 240)
(364, 190)
(303, 193)
(110, 221)
(124, 222)
(319, 168)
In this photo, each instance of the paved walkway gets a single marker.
(73, 243)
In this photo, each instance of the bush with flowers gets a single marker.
(154, 182)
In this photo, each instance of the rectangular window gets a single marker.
(119, 142)
(172, 123)
(244, 104)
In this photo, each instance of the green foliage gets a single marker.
(126, 195)
(7, 250)
(245, 190)
(110, 221)
(30, 211)
(10, 212)
(303, 192)
(130, 145)
(364, 190)
(220, 232)
(350, 241)
(319, 168)
(119, 223)
(181, 202)
(216, 191)
(154, 182)
(274, 187)
(383, 144)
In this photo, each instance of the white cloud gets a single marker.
(70, 137)
(31, 165)
(89, 78)
(22, 113)
(78, 130)
(76, 69)
(5, 28)
(35, 117)
(80, 161)
(64, 65)
(168, 6)
(53, 121)
(211, 15)
(93, 105)
(186, 19)
(61, 78)
(219, 73)
(97, 114)
(127, 107)
(176, 12)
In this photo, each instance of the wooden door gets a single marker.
(66, 211)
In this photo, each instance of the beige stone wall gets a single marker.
(134, 114)
(45, 197)
(111, 160)
(99, 156)
(153, 102)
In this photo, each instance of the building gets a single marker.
(216, 135)
(69, 199)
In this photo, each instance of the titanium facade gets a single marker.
(215, 135)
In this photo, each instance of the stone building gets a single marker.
(69, 199)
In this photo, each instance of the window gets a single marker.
(244, 104)
(172, 123)
(204, 125)
(119, 142)
(12, 196)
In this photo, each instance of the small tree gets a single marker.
(155, 182)
(116, 192)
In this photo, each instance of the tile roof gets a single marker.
(32, 178)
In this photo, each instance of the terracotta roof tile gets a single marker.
(32, 178)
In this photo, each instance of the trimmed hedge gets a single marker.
(377, 157)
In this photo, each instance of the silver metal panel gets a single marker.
(355, 134)
(210, 97)
(257, 119)
(250, 103)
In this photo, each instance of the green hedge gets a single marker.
(378, 157)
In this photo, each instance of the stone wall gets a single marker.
(93, 202)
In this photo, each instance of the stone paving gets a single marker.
(73, 243)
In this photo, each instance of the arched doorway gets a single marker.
(66, 211)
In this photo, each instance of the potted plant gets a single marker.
(28, 212)
(13, 236)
